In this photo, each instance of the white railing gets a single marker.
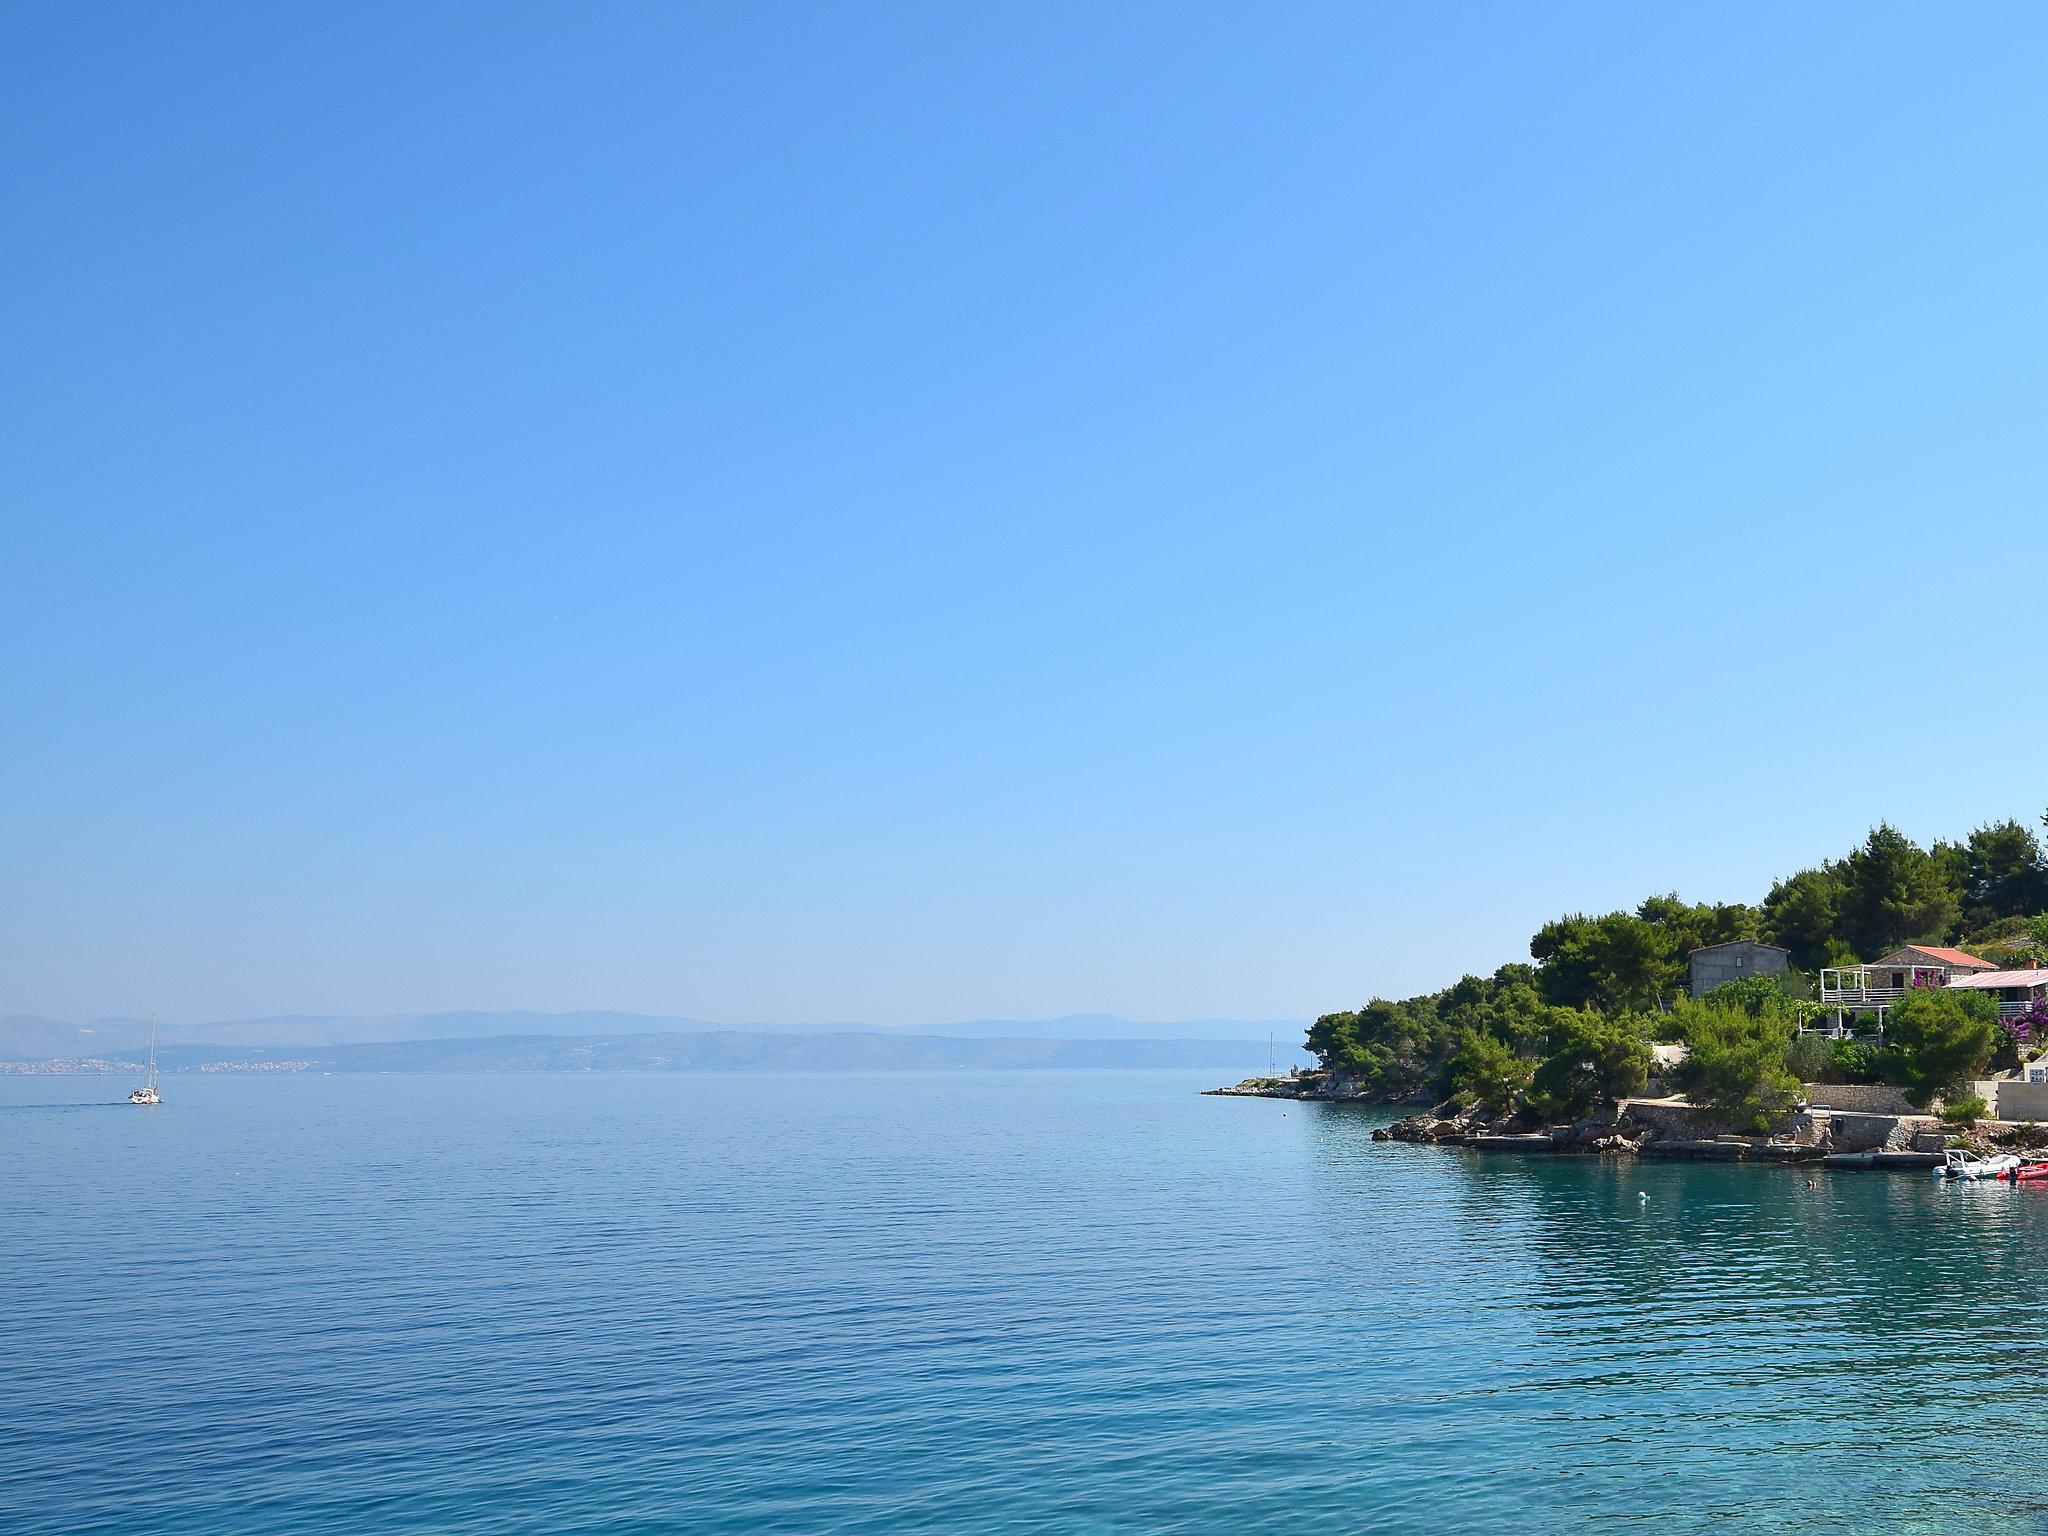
(1882, 997)
(1870, 997)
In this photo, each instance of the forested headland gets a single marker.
(1573, 1024)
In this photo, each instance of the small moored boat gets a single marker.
(1958, 1164)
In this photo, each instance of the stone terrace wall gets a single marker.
(1852, 1132)
(1859, 1098)
(1681, 1122)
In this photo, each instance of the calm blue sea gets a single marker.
(1086, 1302)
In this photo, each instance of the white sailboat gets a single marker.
(147, 1094)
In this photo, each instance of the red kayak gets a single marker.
(2028, 1172)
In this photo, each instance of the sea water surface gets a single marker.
(1016, 1301)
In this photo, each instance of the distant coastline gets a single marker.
(669, 1051)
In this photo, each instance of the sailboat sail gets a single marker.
(147, 1093)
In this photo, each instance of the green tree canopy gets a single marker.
(1391, 1046)
(1801, 914)
(1690, 925)
(1505, 1005)
(1589, 1059)
(1488, 1069)
(1611, 963)
(1399, 1050)
(2004, 874)
(1894, 892)
(1939, 1038)
(1736, 1066)
(1566, 951)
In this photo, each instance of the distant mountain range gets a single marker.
(624, 1041)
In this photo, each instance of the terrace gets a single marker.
(1876, 986)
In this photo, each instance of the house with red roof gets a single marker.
(1874, 986)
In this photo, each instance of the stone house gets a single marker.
(1720, 963)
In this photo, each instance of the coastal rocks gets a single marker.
(1299, 1085)
(1649, 1128)
(1256, 1088)
(1668, 1129)
(1471, 1126)
(1671, 1131)
(1445, 1123)
(1324, 1087)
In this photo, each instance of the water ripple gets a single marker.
(1074, 1302)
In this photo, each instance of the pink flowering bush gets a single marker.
(2030, 1025)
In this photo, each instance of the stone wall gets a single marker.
(1851, 1132)
(1684, 1123)
(1843, 1130)
(2016, 1100)
(1858, 1098)
(1667, 1119)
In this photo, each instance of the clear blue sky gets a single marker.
(807, 512)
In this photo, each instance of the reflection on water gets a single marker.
(1788, 1354)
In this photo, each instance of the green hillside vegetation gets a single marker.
(1573, 1028)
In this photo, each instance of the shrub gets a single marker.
(2027, 1026)
(1964, 1111)
(1810, 1058)
(1817, 1059)
(1857, 1061)
(1768, 997)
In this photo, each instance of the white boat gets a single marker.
(147, 1093)
(1958, 1164)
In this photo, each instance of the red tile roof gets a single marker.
(1947, 956)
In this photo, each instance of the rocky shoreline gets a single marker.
(1618, 1129)
(1655, 1128)
(1326, 1087)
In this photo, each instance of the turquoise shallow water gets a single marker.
(1089, 1302)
